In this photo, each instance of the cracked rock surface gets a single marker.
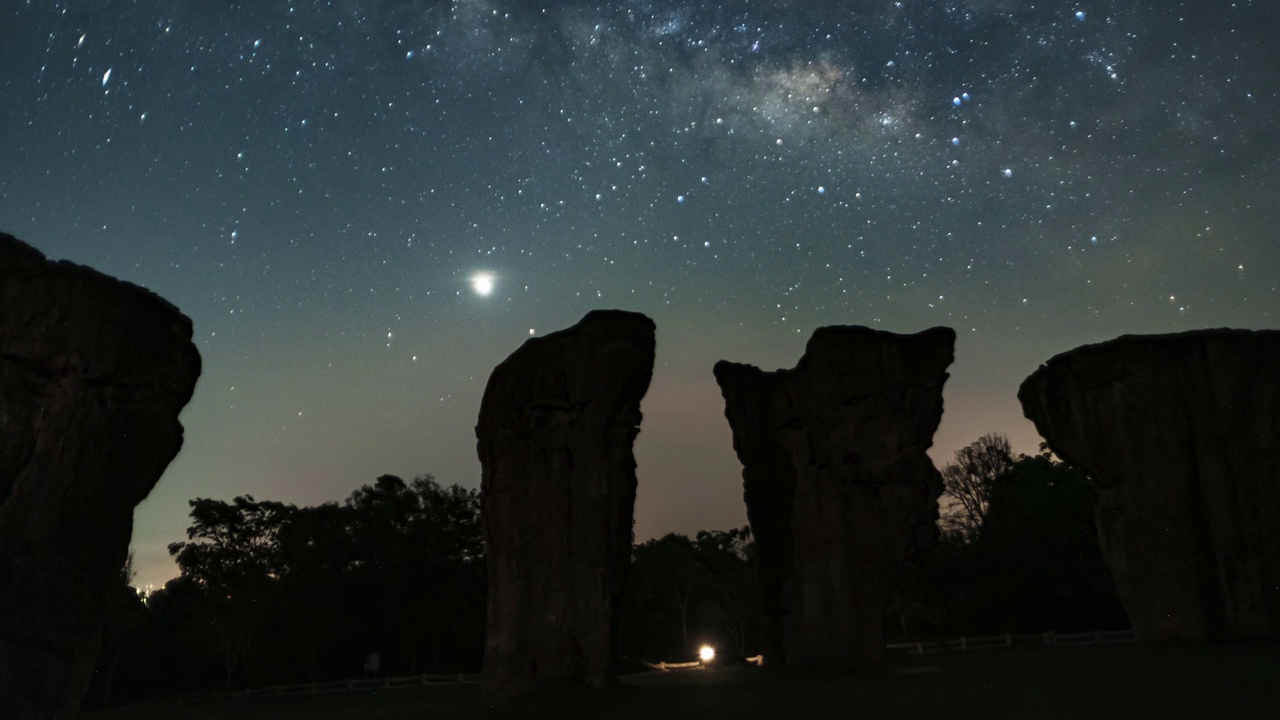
(93, 374)
(1180, 434)
(841, 495)
(555, 434)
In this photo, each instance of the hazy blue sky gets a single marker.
(317, 184)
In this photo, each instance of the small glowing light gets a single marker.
(482, 283)
(706, 653)
(532, 331)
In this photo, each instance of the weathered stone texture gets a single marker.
(93, 374)
(840, 493)
(1181, 435)
(556, 429)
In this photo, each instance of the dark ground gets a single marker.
(1127, 681)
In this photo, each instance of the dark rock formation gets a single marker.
(93, 374)
(840, 493)
(556, 428)
(1181, 435)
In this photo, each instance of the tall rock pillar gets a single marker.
(93, 374)
(840, 493)
(556, 428)
(1181, 437)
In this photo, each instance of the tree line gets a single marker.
(271, 593)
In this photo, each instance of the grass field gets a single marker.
(1126, 681)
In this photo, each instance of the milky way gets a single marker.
(365, 205)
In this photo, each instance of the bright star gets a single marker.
(482, 283)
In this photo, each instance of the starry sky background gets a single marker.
(317, 183)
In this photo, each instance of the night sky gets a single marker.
(328, 189)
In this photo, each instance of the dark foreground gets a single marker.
(1129, 681)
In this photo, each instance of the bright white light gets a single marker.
(707, 653)
(482, 283)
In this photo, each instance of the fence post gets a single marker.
(964, 643)
(1008, 639)
(919, 648)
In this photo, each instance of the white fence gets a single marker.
(663, 666)
(366, 684)
(964, 644)
(1047, 639)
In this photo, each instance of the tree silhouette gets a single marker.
(1021, 557)
(666, 572)
(970, 480)
(397, 568)
(1040, 542)
(232, 555)
(732, 582)
(683, 592)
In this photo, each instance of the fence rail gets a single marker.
(366, 684)
(1046, 639)
(963, 644)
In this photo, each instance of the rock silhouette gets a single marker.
(840, 493)
(93, 374)
(1181, 436)
(556, 428)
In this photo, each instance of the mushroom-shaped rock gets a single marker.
(1180, 434)
(556, 429)
(840, 492)
(93, 374)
